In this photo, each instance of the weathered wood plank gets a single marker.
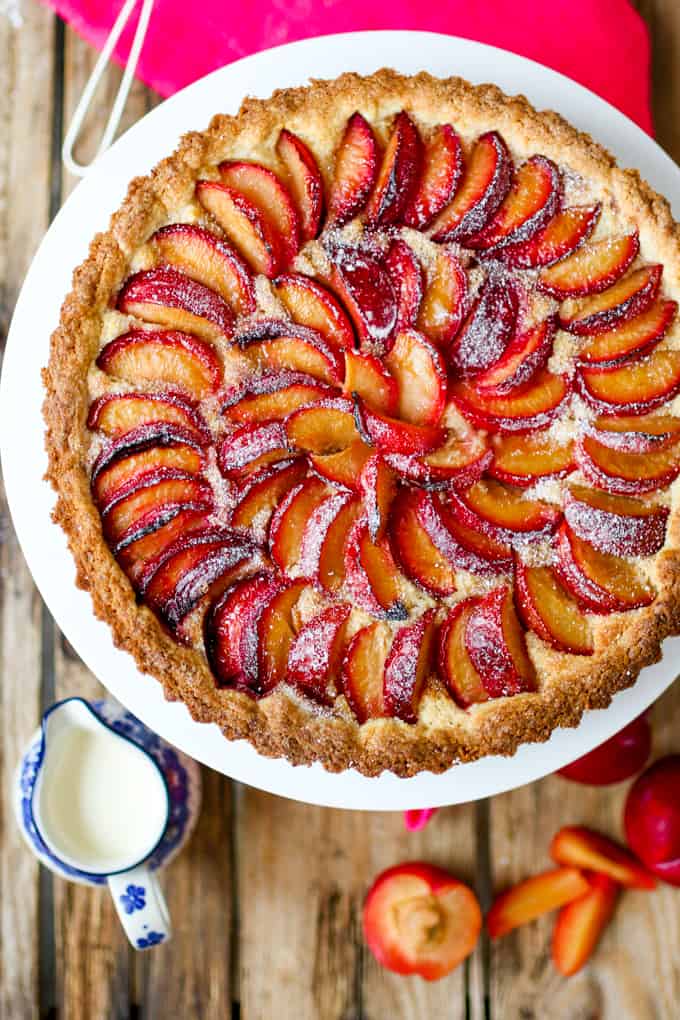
(25, 98)
(303, 875)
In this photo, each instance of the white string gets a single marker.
(80, 169)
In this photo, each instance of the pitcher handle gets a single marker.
(141, 907)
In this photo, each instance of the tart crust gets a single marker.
(281, 724)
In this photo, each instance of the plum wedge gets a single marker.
(442, 169)
(445, 301)
(304, 182)
(494, 640)
(316, 653)
(421, 377)
(526, 354)
(362, 671)
(615, 524)
(600, 582)
(356, 169)
(408, 282)
(626, 299)
(251, 233)
(407, 668)
(504, 513)
(398, 174)
(522, 460)
(488, 329)
(634, 387)
(453, 660)
(590, 269)
(367, 293)
(561, 236)
(419, 557)
(260, 186)
(636, 336)
(178, 359)
(531, 202)
(367, 376)
(285, 346)
(550, 611)
(272, 397)
(533, 407)
(165, 297)
(311, 304)
(371, 575)
(628, 472)
(117, 413)
(485, 183)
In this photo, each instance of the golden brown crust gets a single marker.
(279, 725)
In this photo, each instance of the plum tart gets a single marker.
(363, 421)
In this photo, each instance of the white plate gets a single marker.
(21, 428)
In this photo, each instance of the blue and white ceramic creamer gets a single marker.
(101, 799)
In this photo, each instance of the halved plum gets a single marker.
(533, 407)
(421, 377)
(615, 524)
(304, 182)
(170, 299)
(311, 304)
(485, 183)
(548, 609)
(445, 301)
(371, 575)
(163, 356)
(600, 582)
(590, 269)
(209, 260)
(398, 174)
(356, 169)
(626, 299)
(522, 460)
(442, 169)
(407, 668)
(634, 387)
(251, 233)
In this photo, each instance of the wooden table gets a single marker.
(266, 899)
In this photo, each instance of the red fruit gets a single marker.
(533, 898)
(652, 818)
(371, 575)
(420, 373)
(636, 336)
(324, 428)
(634, 387)
(467, 548)
(377, 487)
(549, 610)
(245, 224)
(262, 493)
(323, 544)
(304, 182)
(316, 652)
(208, 259)
(362, 671)
(251, 447)
(601, 583)
(579, 847)
(564, 233)
(408, 282)
(262, 187)
(533, 199)
(284, 346)
(495, 644)
(485, 183)
(460, 461)
(367, 292)
(356, 168)
(522, 460)
(390, 435)
(533, 407)
(636, 434)
(311, 304)
(619, 471)
(591, 269)
(175, 301)
(149, 438)
(407, 667)
(153, 534)
(289, 519)
(619, 758)
(114, 414)
(230, 631)
(272, 397)
(628, 298)
(343, 468)
(422, 560)
(275, 635)
(445, 300)
(525, 355)
(580, 924)
(398, 174)
(366, 376)
(181, 360)
(121, 516)
(419, 919)
(124, 475)
(442, 169)
(488, 329)
(453, 661)
(504, 513)
(615, 524)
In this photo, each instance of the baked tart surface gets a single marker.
(362, 418)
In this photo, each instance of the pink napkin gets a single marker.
(603, 44)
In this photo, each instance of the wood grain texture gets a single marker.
(304, 872)
(25, 96)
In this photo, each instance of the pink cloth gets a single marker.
(603, 44)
